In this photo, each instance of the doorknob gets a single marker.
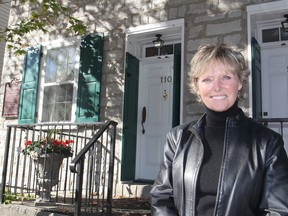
(143, 120)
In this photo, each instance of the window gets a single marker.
(274, 35)
(66, 84)
(153, 51)
(61, 68)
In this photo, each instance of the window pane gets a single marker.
(270, 35)
(60, 64)
(57, 103)
(151, 51)
(284, 35)
(166, 50)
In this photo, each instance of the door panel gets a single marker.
(156, 94)
(130, 118)
(275, 87)
(274, 83)
(176, 85)
(256, 79)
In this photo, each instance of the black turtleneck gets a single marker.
(214, 132)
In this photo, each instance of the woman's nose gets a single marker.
(217, 85)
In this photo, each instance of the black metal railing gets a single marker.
(280, 125)
(96, 142)
(95, 188)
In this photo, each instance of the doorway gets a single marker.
(152, 98)
(275, 87)
(275, 82)
(273, 63)
(155, 115)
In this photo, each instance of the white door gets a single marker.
(154, 115)
(275, 82)
(275, 87)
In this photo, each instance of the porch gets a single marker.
(85, 185)
(85, 180)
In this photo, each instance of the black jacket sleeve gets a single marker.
(162, 201)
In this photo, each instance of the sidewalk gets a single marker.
(131, 207)
(121, 207)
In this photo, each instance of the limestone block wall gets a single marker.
(208, 21)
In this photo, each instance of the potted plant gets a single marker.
(47, 145)
(48, 154)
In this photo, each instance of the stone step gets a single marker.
(25, 210)
(121, 206)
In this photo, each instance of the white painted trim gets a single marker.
(156, 27)
(62, 41)
(41, 82)
(259, 9)
(267, 7)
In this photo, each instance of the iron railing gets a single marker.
(91, 193)
(97, 162)
(277, 124)
(280, 125)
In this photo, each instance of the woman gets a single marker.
(225, 163)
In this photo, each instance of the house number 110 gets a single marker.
(165, 79)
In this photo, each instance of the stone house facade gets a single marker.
(4, 15)
(148, 87)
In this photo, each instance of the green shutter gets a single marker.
(89, 84)
(256, 79)
(29, 86)
(176, 85)
(130, 118)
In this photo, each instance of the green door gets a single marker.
(176, 85)
(256, 79)
(130, 118)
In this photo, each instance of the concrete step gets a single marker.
(24, 209)
(121, 207)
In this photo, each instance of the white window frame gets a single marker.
(271, 25)
(52, 45)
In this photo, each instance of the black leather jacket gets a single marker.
(253, 177)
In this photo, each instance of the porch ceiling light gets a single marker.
(285, 23)
(158, 43)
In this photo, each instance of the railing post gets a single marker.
(5, 165)
(79, 185)
(111, 171)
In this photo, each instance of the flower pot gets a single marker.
(48, 166)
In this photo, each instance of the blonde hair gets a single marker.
(208, 53)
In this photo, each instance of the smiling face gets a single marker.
(218, 87)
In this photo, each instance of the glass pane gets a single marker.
(166, 50)
(57, 103)
(284, 35)
(61, 64)
(270, 35)
(151, 51)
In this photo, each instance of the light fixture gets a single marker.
(158, 43)
(285, 23)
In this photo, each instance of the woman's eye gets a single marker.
(207, 80)
(226, 77)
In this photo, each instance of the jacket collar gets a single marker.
(233, 121)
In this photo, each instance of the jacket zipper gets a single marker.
(221, 172)
(197, 171)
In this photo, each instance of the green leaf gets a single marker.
(48, 14)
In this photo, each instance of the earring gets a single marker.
(239, 96)
(199, 99)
